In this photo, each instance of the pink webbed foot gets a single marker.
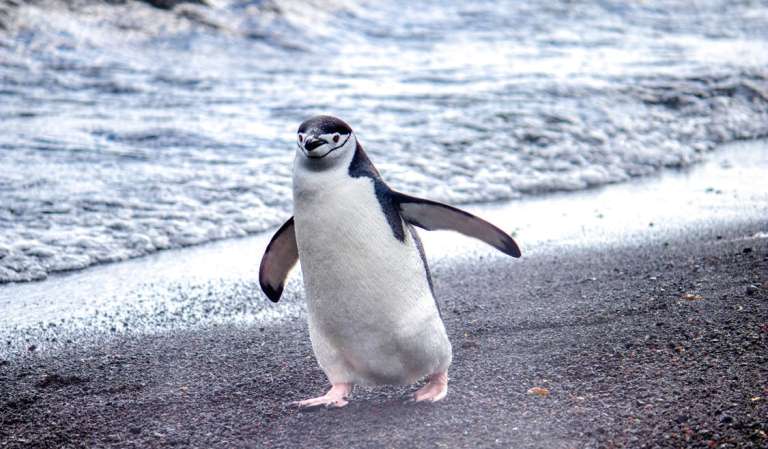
(435, 389)
(336, 397)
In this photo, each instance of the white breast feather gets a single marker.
(371, 311)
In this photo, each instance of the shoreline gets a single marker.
(217, 283)
(628, 361)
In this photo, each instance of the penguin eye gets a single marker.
(336, 138)
(301, 138)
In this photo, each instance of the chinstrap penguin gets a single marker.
(373, 318)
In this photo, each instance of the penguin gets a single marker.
(372, 315)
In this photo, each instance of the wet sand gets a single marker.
(627, 358)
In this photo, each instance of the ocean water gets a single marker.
(126, 129)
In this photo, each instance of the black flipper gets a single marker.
(280, 256)
(431, 215)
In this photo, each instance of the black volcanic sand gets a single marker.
(627, 361)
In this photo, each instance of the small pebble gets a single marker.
(469, 344)
(752, 289)
(539, 391)
(692, 297)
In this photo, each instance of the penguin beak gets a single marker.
(312, 143)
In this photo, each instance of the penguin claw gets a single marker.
(319, 403)
(322, 401)
(435, 390)
(335, 398)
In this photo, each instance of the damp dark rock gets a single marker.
(57, 380)
(726, 419)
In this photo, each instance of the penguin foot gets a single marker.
(335, 398)
(435, 389)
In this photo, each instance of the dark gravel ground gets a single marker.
(627, 360)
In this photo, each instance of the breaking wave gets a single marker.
(131, 127)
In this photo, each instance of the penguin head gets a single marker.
(323, 139)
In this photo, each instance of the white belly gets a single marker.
(372, 317)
